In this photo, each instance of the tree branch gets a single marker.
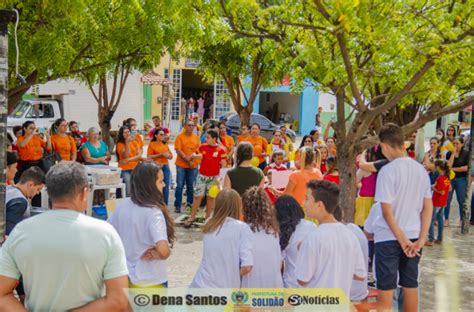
(433, 114)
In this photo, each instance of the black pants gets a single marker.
(25, 165)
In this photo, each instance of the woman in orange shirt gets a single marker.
(62, 143)
(129, 154)
(159, 151)
(227, 141)
(300, 178)
(136, 136)
(244, 134)
(259, 145)
(30, 150)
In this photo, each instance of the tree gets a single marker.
(374, 56)
(127, 36)
(48, 34)
(95, 42)
(239, 60)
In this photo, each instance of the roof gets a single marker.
(152, 78)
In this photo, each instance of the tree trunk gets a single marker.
(244, 117)
(6, 16)
(346, 158)
(105, 117)
(16, 93)
(468, 201)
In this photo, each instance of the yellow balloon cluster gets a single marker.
(213, 191)
(255, 161)
(292, 155)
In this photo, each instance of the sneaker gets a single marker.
(177, 210)
(429, 243)
(438, 241)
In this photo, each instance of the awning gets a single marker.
(152, 78)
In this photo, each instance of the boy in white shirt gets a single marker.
(404, 192)
(330, 256)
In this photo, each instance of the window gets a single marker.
(175, 104)
(41, 110)
(222, 98)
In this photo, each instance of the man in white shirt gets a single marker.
(404, 192)
(330, 256)
(64, 256)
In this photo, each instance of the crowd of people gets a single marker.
(255, 235)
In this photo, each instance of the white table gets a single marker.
(95, 187)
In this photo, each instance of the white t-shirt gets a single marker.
(141, 228)
(375, 224)
(267, 261)
(359, 288)
(290, 254)
(329, 257)
(404, 184)
(225, 251)
(64, 257)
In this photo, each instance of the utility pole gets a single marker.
(6, 16)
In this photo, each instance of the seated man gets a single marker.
(65, 257)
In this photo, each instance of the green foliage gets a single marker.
(61, 39)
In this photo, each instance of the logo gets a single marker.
(295, 300)
(239, 297)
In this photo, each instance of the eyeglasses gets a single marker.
(31, 128)
(133, 125)
(190, 125)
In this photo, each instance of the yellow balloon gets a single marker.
(213, 191)
(292, 155)
(255, 161)
(451, 174)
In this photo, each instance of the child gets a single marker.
(278, 157)
(214, 156)
(407, 210)
(260, 215)
(276, 165)
(324, 155)
(441, 191)
(293, 229)
(332, 174)
(227, 247)
(330, 256)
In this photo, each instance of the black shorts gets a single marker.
(391, 264)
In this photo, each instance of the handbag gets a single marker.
(49, 160)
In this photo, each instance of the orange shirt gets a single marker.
(300, 179)
(228, 143)
(155, 148)
(259, 146)
(188, 144)
(33, 150)
(65, 146)
(243, 138)
(133, 152)
(139, 140)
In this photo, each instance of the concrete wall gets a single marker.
(80, 105)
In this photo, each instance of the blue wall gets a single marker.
(308, 104)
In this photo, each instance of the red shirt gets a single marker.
(211, 159)
(323, 167)
(274, 166)
(442, 184)
(332, 178)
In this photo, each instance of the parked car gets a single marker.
(266, 125)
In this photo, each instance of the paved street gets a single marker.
(444, 269)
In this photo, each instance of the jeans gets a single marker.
(438, 213)
(167, 180)
(459, 186)
(184, 175)
(126, 176)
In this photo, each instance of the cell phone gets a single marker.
(41, 130)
